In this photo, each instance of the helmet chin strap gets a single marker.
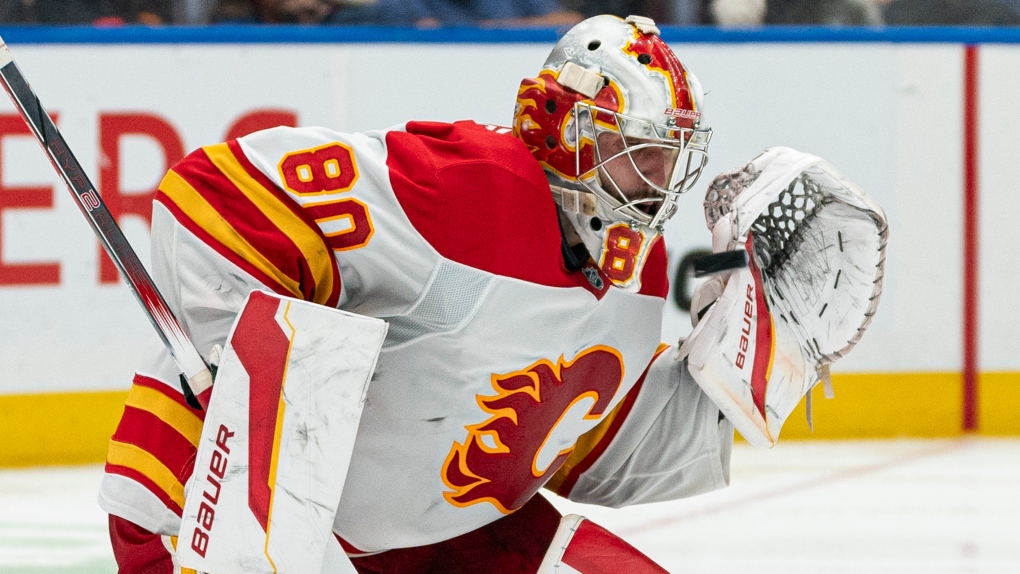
(575, 201)
(579, 209)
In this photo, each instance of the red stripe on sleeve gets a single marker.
(169, 392)
(146, 431)
(286, 200)
(219, 248)
(245, 217)
(145, 482)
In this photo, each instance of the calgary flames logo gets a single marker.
(536, 417)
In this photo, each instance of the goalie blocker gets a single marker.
(816, 250)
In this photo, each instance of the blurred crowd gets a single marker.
(511, 13)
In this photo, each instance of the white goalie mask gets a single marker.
(616, 122)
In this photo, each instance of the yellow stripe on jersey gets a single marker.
(167, 410)
(130, 456)
(191, 202)
(307, 240)
(170, 543)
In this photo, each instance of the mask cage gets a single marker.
(687, 148)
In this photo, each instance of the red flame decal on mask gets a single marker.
(664, 61)
(538, 123)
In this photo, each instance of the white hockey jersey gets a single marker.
(503, 370)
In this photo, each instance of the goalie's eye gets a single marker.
(637, 166)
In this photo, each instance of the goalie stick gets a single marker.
(196, 377)
(718, 262)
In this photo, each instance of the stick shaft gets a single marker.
(103, 223)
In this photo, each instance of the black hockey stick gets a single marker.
(196, 377)
(718, 262)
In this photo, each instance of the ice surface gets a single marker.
(934, 506)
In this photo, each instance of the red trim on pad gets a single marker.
(762, 336)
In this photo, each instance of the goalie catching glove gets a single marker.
(816, 256)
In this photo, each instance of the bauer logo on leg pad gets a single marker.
(278, 437)
(211, 491)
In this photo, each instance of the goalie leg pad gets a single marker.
(278, 437)
(583, 547)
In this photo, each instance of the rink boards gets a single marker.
(888, 110)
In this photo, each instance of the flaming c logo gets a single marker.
(510, 455)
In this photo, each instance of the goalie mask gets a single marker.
(615, 120)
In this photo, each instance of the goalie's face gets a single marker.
(640, 168)
(636, 173)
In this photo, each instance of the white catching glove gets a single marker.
(705, 295)
(816, 246)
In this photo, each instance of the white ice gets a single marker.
(934, 506)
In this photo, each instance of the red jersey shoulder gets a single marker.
(479, 198)
(466, 142)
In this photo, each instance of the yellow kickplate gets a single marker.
(998, 399)
(75, 428)
(58, 428)
(882, 405)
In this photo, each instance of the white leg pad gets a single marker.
(278, 437)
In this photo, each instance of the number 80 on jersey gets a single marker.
(325, 171)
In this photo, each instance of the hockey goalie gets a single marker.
(521, 276)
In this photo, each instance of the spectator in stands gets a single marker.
(377, 12)
(736, 12)
(824, 12)
(684, 12)
(102, 12)
(679, 12)
(1013, 5)
(397, 12)
(952, 13)
(273, 11)
(496, 13)
(806, 12)
(49, 11)
(298, 11)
